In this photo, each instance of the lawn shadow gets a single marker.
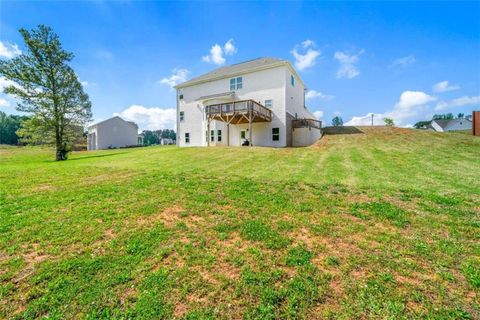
(88, 157)
(342, 130)
(99, 156)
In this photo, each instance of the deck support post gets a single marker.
(208, 131)
(228, 133)
(250, 124)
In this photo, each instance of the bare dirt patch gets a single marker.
(31, 259)
(169, 216)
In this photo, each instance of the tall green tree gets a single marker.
(337, 121)
(48, 89)
(389, 122)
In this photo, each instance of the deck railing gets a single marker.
(243, 106)
(306, 123)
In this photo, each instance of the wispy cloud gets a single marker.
(217, 53)
(409, 106)
(458, 102)
(177, 76)
(404, 61)
(150, 118)
(9, 50)
(305, 54)
(348, 68)
(313, 94)
(444, 86)
(318, 114)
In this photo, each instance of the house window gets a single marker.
(219, 135)
(180, 95)
(269, 103)
(242, 134)
(187, 137)
(212, 135)
(182, 115)
(292, 80)
(236, 83)
(276, 134)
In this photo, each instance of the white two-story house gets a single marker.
(259, 102)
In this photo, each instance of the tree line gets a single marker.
(9, 125)
(152, 137)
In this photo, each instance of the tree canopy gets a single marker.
(48, 89)
(337, 121)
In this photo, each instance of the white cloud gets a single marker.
(410, 105)
(4, 103)
(462, 101)
(404, 61)
(318, 114)
(348, 68)
(306, 59)
(366, 120)
(150, 118)
(229, 48)
(177, 76)
(444, 86)
(9, 50)
(312, 94)
(217, 52)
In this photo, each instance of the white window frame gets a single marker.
(292, 80)
(181, 116)
(236, 83)
(187, 137)
(269, 103)
(219, 135)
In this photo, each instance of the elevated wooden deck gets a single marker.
(244, 111)
(306, 123)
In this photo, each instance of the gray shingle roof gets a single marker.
(442, 122)
(234, 69)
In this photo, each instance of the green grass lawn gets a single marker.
(384, 224)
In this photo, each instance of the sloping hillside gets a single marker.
(380, 224)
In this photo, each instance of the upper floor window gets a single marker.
(236, 83)
(182, 115)
(292, 80)
(180, 94)
(269, 103)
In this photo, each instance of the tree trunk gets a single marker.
(61, 147)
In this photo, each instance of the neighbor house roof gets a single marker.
(442, 122)
(129, 122)
(238, 69)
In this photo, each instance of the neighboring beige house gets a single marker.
(113, 133)
(451, 125)
(259, 102)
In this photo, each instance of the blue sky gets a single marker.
(401, 60)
